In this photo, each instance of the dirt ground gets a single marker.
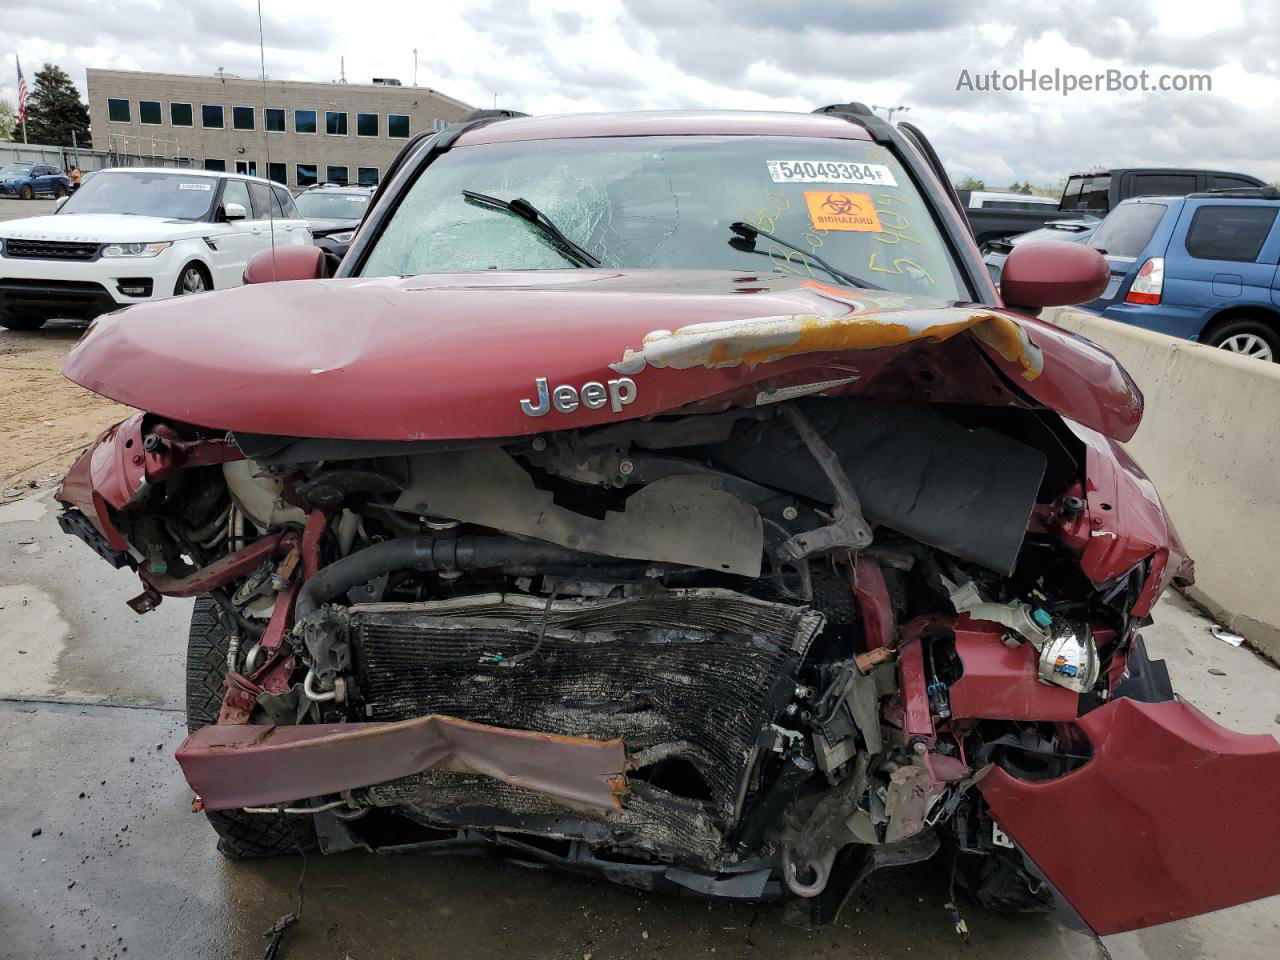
(45, 419)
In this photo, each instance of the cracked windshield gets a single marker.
(837, 211)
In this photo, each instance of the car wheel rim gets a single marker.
(192, 282)
(1249, 345)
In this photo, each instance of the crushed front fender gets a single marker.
(1171, 817)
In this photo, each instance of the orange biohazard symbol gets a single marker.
(838, 210)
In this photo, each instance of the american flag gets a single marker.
(22, 92)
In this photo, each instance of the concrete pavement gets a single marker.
(90, 700)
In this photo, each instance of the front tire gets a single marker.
(241, 836)
(26, 193)
(192, 280)
(1245, 336)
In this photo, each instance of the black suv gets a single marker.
(333, 211)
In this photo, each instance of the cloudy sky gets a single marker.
(551, 56)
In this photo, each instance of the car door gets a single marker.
(41, 181)
(267, 211)
(292, 227)
(1222, 256)
(235, 241)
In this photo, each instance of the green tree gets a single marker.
(54, 110)
(971, 183)
(8, 120)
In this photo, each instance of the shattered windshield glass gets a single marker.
(669, 203)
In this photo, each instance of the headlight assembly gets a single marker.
(134, 249)
(344, 237)
(1069, 658)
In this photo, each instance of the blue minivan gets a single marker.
(1202, 267)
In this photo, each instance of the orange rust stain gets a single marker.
(844, 293)
(818, 334)
(1007, 339)
(620, 788)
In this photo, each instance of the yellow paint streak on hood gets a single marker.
(758, 340)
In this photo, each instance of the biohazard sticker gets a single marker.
(837, 210)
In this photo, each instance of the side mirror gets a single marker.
(286, 263)
(1053, 274)
(57, 204)
(234, 211)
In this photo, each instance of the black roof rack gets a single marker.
(862, 115)
(1240, 193)
(883, 132)
(486, 114)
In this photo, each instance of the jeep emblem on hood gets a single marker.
(593, 395)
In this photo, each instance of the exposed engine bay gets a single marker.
(752, 653)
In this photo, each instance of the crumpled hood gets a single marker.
(446, 356)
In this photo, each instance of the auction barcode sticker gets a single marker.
(195, 186)
(827, 171)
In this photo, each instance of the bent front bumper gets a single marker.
(249, 765)
(1173, 816)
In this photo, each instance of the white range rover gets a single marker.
(132, 235)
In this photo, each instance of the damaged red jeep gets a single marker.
(672, 496)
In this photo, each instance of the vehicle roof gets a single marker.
(726, 123)
(338, 188)
(1200, 198)
(998, 195)
(1116, 171)
(189, 172)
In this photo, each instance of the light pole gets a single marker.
(890, 111)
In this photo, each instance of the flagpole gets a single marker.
(24, 130)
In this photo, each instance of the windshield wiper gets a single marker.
(527, 212)
(746, 242)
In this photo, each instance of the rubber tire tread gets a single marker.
(241, 836)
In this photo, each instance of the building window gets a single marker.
(366, 124)
(149, 113)
(335, 123)
(248, 167)
(242, 118)
(304, 121)
(336, 173)
(211, 116)
(118, 111)
(398, 126)
(367, 176)
(437, 124)
(180, 114)
(212, 164)
(279, 172)
(306, 173)
(273, 119)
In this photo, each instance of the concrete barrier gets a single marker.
(1210, 441)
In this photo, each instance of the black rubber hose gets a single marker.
(431, 553)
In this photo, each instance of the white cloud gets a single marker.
(547, 56)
